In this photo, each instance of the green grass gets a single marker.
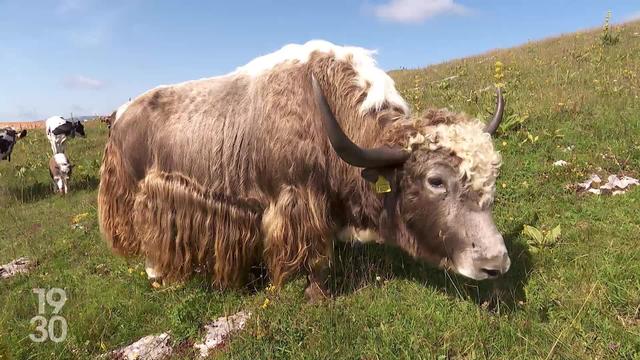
(577, 299)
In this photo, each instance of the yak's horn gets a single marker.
(346, 149)
(492, 126)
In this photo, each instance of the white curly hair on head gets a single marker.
(479, 160)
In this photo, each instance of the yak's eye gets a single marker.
(436, 182)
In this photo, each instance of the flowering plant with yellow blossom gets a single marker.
(499, 74)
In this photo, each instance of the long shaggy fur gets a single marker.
(115, 201)
(183, 227)
(297, 234)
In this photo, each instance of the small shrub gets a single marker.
(608, 36)
(539, 240)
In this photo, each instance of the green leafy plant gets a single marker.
(539, 240)
(513, 122)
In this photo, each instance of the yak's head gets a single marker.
(8, 138)
(441, 189)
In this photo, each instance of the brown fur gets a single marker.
(116, 197)
(297, 233)
(183, 227)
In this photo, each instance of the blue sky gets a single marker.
(89, 56)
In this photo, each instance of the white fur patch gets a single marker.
(62, 161)
(121, 110)
(351, 234)
(382, 88)
(480, 161)
(151, 271)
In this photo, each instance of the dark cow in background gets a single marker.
(8, 138)
(58, 129)
(271, 172)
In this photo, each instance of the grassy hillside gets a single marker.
(577, 299)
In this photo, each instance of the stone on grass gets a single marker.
(152, 347)
(219, 331)
(615, 185)
(18, 266)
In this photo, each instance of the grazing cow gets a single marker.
(108, 120)
(60, 170)
(271, 172)
(59, 128)
(8, 138)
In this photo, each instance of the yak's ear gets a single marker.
(370, 174)
(380, 179)
(22, 134)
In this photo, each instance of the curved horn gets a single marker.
(346, 149)
(492, 126)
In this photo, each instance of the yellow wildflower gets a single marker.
(265, 303)
(76, 219)
(499, 74)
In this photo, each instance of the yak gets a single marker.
(266, 165)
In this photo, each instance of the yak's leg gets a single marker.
(297, 235)
(317, 281)
(153, 273)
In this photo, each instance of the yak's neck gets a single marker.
(367, 208)
(384, 124)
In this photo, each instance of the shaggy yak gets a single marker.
(8, 138)
(261, 166)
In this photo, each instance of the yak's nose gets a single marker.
(495, 264)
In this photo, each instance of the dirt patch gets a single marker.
(24, 124)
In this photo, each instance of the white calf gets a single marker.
(60, 170)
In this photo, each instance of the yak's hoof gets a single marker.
(153, 275)
(315, 294)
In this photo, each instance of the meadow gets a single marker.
(572, 98)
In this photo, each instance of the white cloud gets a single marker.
(82, 82)
(415, 11)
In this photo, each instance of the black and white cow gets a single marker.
(59, 128)
(8, 138)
